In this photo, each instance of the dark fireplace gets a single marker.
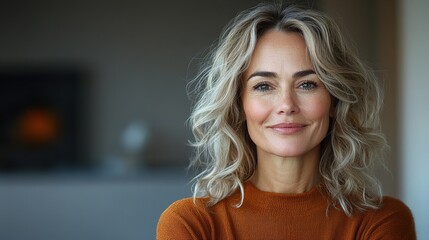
(40, 118)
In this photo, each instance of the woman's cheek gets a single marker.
(256, 110)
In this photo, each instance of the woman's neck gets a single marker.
(287, 175)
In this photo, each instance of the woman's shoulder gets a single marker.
(183, 219)
(391, 204)
(187, 205)
(394, 208)
(185, 208)
(393, 219)
(181, 204)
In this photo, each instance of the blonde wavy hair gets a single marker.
(354, 145)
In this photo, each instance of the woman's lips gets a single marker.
(288, 128)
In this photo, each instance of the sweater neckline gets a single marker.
(315, 198)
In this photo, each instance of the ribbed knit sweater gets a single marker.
(266, 215)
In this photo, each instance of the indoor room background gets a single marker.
(94, 104)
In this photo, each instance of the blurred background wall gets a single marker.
(414, 134)
(132, 61)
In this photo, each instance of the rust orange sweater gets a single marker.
(265, 215)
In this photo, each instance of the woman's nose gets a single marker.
(288, 103)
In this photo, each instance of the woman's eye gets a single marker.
(262, 87)
(308, 85)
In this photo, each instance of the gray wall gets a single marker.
(87, 207)
(415, 110)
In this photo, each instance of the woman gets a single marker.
(287, 134)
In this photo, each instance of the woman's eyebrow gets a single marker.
(298, 74)
(263, 74)
(303, 73)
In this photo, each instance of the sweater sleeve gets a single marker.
(180, 221)
(393, 221)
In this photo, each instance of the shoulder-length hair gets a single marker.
(354, 144)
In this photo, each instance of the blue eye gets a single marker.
(262, 87)
(308, 85)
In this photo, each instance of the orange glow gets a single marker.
(39, 126)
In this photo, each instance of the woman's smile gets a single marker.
(287, 128)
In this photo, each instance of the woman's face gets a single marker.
(286, 106)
